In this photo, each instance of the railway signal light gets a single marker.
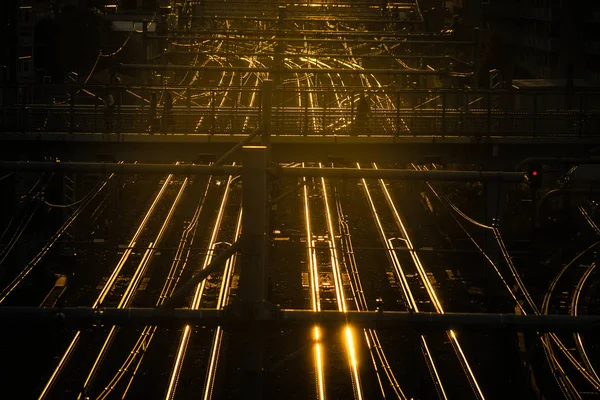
(534, 175)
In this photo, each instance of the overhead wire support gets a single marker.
(315, 18)
(319, 55)
(238, 146)
(189, 169)
(269, 39)
(314, 32)
(215, 264)
(420, 322)
(284, 70)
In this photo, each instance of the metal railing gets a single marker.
(301, 111)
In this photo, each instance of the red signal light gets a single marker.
(534, 173)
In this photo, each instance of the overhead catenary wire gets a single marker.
(4, 293)
(24, 223)
(70, 349)
(6, 176)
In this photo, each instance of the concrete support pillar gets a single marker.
(254, 227)
(253, 275)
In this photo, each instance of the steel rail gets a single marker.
(104, 291)
(451, 207)
(575, 311)
(131, 290)
(552, 336)
(179, 264)
(5, 292)
(477, 391)
(410, 302)
(371, 337)
(340, 295)
(223, 301)
(313, 274)
(545, 340)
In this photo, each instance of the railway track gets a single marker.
(556, 351)
(124, 377)
(418, 292)
(80, 207)
(112, 363)
(578, 377)
(327, 291)
(121, 284)
(210, 293)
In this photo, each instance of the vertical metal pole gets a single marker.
(306, 94)
(397, 113)
(535, 101)
(3, 121)
(146, 74)
(465, 113)
(443, 114)
(120, 119)
(476, 33)
(227, 49)
(188, 119)
(96, 114)
(260, 114)
(163, 127)
(267, 102)
(581, 99)
(325, 111)
(236, 101)
(69, 193)
(213, 112)
(142, 112)
(71, 108)
(512, 127)
(352, 126)
(21, 117)
(253, 274)
(493, 216)
(489, 114)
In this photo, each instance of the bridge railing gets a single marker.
(304, 111)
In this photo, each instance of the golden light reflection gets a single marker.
(316, 306)
(339, 290)
(185, 336)
(353, 360)
(429, 287)
(411, 302)
(319, 364)
(221, 303)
